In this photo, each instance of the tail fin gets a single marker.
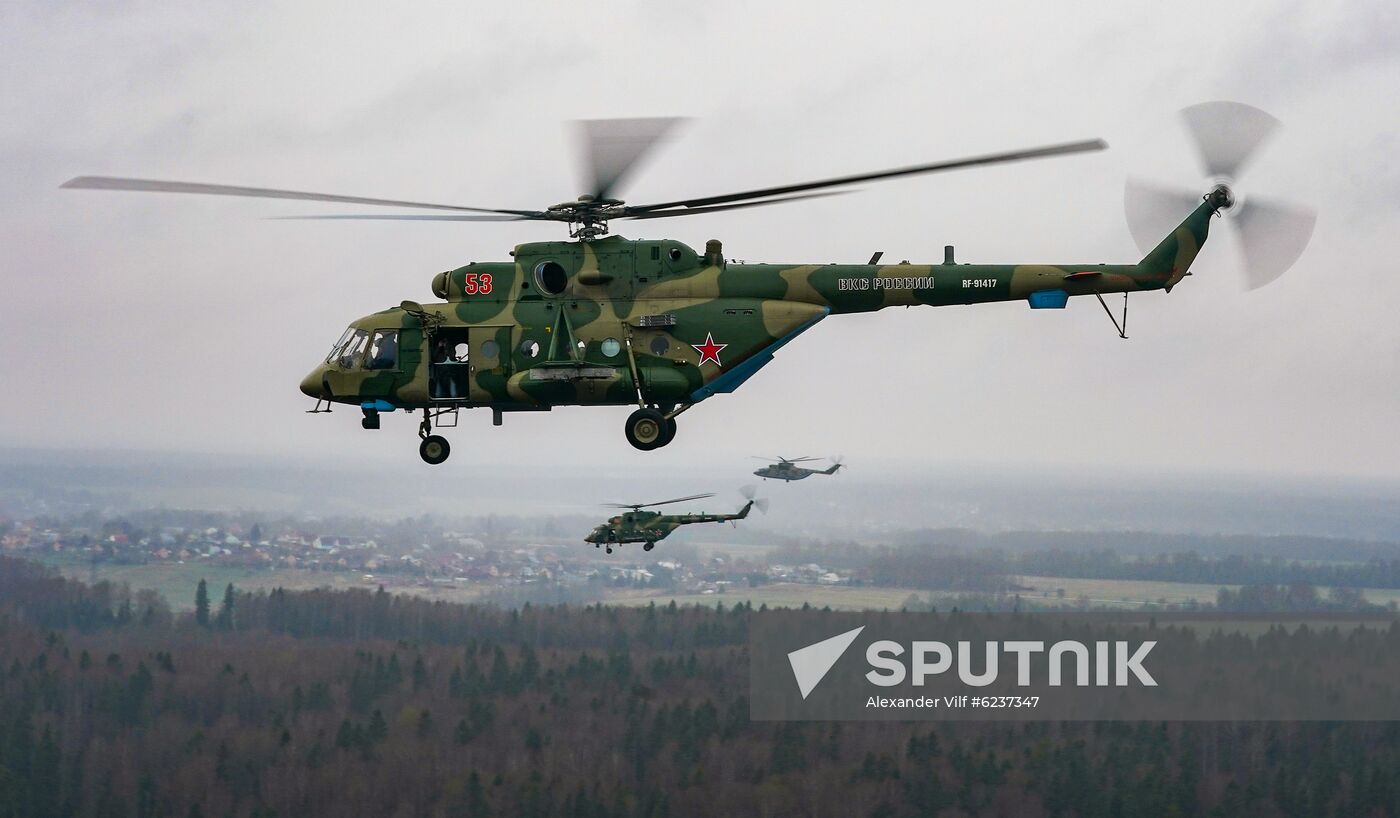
(1171, 259)
(834, 468)
(744, 512)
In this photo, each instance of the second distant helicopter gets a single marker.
(787, 470)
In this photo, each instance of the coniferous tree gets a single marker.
(225, 618)
(475, 798)
(201, 603)
(420, 674)
(378, 728)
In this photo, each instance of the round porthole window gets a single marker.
(610, 347)
(675, 254)
(530, 349)
(550, 277)
(490, 349)
(658, 346)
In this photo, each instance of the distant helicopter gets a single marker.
(647, 527)
(788, 470)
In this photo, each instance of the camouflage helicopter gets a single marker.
(781, 468)
(647, 527)
(606, 321)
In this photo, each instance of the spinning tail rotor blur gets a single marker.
(1227, 136)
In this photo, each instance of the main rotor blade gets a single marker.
(611, 147)
(661, 503)
(1153, 210)
(975, 161)
(690, 211)
(414, 217)
(1227, 134)
(681, 499)
(158, 186)
(1272, 236)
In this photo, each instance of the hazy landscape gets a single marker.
(164, 522)
(218, 599)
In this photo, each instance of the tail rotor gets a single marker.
(750, 493)
(1227, 136)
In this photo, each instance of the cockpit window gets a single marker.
(334, 354)
(347, 352)
(383, 350)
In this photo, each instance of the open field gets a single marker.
(778, 595)
(1121, 594)
(1117, 591)
(1110, 593)
(1130, 592)
(177, 581)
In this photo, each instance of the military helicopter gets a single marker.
(606, 321)
(787, 470)
(647, 527)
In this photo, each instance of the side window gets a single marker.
(551, 277)
(383, 350)
(349, 356)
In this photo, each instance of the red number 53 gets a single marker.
(477, 284)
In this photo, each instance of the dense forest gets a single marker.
(357, 703)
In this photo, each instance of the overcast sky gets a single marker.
(185, 323)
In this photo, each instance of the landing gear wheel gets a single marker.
(668, 434)
(648, 546)
(371, 419)
(610, 549)
(434, 449)
(646, 429)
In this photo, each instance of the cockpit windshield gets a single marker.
(346, 352)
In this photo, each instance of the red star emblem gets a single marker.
(709, 351)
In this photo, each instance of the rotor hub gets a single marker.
(1221, 197)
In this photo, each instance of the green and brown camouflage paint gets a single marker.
(652, 526)
(530, 349)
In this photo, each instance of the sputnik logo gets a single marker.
(709, 351)
(811, 664)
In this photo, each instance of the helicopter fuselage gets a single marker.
(654, 324)
(788, 472)
(651, 526)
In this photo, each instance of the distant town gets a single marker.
(511, 560)
(399, 555)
